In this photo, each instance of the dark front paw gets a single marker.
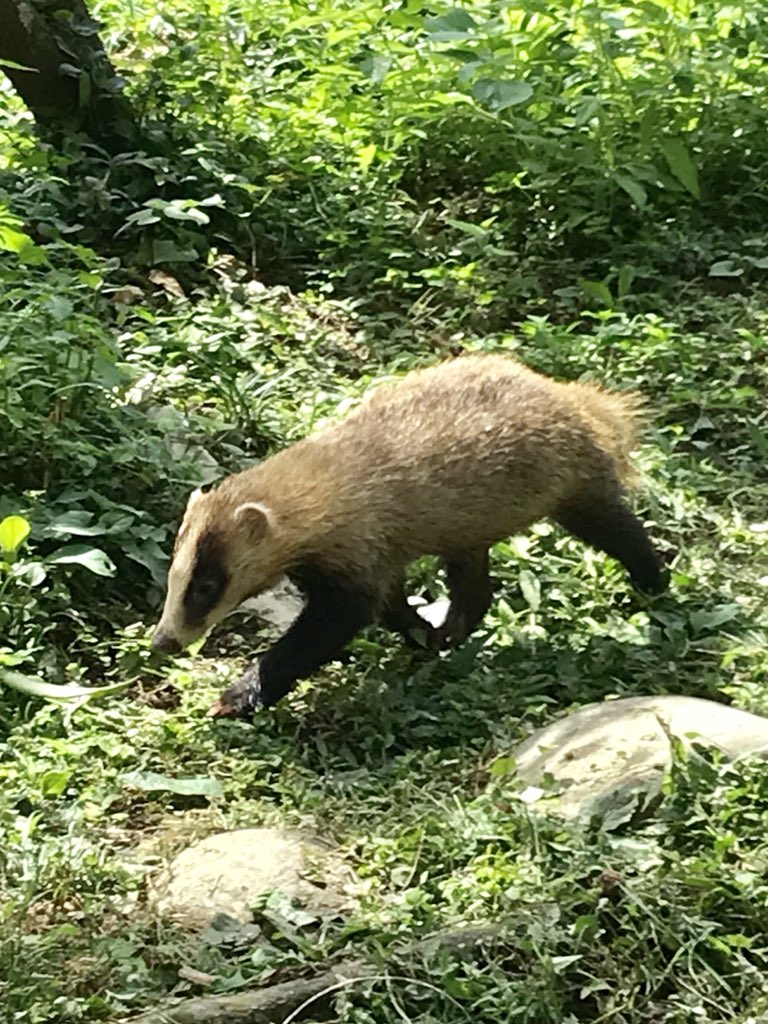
(655, 582)
(242, 698)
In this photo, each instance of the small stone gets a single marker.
(227, 873)
(608, 749)
(434, 613)
(278, 607)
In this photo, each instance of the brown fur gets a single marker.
(462, 454)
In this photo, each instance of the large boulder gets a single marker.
(602, 750)
(226, 874)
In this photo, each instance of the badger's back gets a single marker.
(478, 447)
(456, 456)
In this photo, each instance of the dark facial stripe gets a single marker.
(208, 581)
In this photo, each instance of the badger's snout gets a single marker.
(165, 642)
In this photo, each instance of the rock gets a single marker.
(433, 613)
(621, 747)
(227, 872)
(278, 607)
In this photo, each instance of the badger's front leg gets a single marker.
(336, 610)
(471, 590)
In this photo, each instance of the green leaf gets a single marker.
(681, 165)
(5, 63)
(633, 188)
(725, 268)
(498, 94)
(598, 290)
(93, 559)
(37, 687)
(169, 252)
(531, 588)
(32, 574)
(502, 766)
(53, 783)
(473, 230)
(14, 530)
(197, 785)
(75, 523)
(706, 620)
(376, 66)
(14, 241)
(561, 963)
(365, 156)
(177, 211)
(456, 24)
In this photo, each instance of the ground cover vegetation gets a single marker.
(325, 194)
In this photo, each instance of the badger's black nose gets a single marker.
(165, 643)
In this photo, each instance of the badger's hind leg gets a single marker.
(606, 523)
(471, 590)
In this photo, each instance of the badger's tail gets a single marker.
(617, 418)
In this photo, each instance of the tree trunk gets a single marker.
(70, 85)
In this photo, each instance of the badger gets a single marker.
(444, 461)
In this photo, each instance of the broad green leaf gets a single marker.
(531, 588)
(14, 241)
(93, 559)
(376, 66)
(633, 188)
(498, 94)
(725, 268)
(14, 530)
(456, 24)
(31, 573)
(706, 620)
(75, 523)
(626, 277)
(502, 766)
(681, 165)
(197, 785)
(598, 291)
(53, 783)
(178, 212)
(474, 230)
(365, 156)
(169, 252)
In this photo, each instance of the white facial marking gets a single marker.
(194, 497)
(172, 620)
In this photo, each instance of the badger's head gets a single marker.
(226, 551)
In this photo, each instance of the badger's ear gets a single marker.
(257, 517)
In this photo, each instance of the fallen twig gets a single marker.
(273, 1004)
